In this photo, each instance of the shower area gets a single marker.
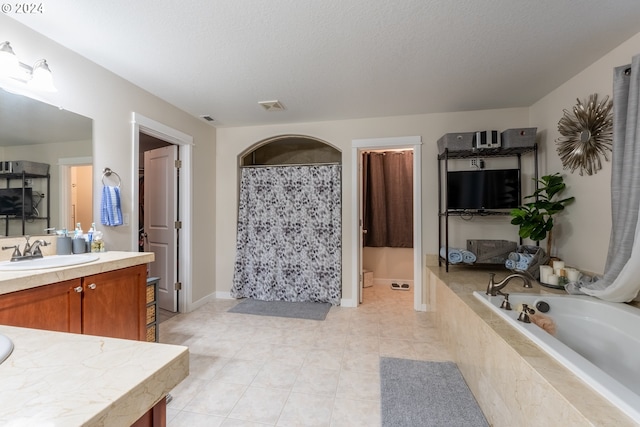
(288, 244)
(387, 213)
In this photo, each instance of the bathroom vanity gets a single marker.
(80, 353)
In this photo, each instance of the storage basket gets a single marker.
(461, 141)
(540, 257)
(519, 138)
(491, 251)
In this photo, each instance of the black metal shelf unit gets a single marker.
(22, 176)
(443, 168)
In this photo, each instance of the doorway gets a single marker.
(178, 281)
(76, 192)
(387, 214)
(358, 147)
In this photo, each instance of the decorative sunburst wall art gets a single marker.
(587, 135)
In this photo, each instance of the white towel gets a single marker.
(111, 213)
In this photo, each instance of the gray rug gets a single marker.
(297, 310)
(430, 394)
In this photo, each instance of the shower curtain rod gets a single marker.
(292, 164)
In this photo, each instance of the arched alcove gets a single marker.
(290, 149)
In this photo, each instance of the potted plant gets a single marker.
(535, 218)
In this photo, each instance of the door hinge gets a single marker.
(178, 164)
(178, 225)
(177, 286)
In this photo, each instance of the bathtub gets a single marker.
(597, 340)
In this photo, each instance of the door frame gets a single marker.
(357, 147)
(64, 168)
(185, 149)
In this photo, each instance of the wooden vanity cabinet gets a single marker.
(55, 307)
(110, 304)
(114, 303)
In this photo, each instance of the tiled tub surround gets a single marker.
(514, 380)
(60, 379)
(596, 330)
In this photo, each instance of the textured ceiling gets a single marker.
(340, 59)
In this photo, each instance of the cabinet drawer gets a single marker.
(151, 314)
(151, 293)
(151, 333)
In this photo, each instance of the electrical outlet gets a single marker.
(477, 163)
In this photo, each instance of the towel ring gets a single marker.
(106, 172)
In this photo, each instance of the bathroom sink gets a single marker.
(51, 261)
(6, 347)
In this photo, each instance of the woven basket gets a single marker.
(540, 257)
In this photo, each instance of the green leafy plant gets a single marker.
(535, 218)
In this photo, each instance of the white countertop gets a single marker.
(11, 281)
(55, 379)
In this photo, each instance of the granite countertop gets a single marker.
(61, 379)
(11, 281)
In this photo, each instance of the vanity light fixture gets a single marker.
(38, 77)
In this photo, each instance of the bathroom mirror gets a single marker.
(35, 131)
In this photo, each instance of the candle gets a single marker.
(573, 274)
(545, 271)
(552, 279)
(558, 264)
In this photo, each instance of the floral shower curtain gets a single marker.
(288, 245)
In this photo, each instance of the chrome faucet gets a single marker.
(35, 248)
(30, 250)
(494, 289)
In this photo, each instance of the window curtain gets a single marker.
(388, 199)
(288, 244)
(620, 281)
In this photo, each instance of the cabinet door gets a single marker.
(55, 307)
(114, 303)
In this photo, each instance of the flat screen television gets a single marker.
(12, 203)
(483, 189)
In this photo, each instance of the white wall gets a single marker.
(233, 141)
(582, 237)
(89, 90)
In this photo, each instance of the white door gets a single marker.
(160, 216)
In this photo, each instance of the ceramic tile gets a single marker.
(356, 413)
(276, 374)
(258, 404)
(216, 398)
(306, 410)
(193, 419)
(250, 371)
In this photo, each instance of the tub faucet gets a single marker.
(494, 289)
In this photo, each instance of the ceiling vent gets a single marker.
(272, 105)
(207, 118)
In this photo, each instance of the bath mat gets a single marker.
(297, 310)
(430, 394)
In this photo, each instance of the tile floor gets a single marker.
(250, 370)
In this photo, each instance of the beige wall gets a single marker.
(582, 236)
(388, 263)
(231, 142)
(89, 90)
